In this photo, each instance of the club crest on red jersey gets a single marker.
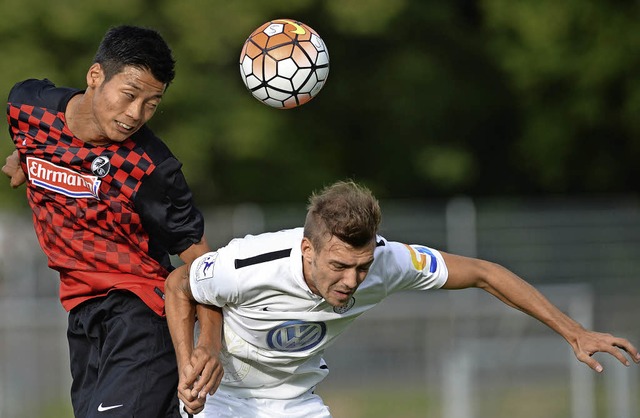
(62, 180)
(100, 166)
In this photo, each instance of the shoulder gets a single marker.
(41, 93)
(243, 270)
(266, 249)
(268, 246)
(396, 257)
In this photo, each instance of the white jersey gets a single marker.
(275, 328)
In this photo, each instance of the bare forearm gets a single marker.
(210, 320)
(515, 292)
(467, 272)
(200, 368)
(180, 311)
(183, 307)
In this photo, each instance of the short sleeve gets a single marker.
(212, 278)
(411, 267)
(165, 204)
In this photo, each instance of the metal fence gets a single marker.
(450, 354)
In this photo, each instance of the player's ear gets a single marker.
(307, 249)
(95, 75)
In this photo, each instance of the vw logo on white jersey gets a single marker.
(100, 166)
(296, 335)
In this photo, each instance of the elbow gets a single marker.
(486, 274)
(177, 283)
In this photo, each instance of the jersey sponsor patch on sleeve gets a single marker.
(419, 257)
(204, 266)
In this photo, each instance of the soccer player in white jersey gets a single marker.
(287, 295)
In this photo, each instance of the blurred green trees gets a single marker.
(424, 98)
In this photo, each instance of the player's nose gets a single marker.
(134, 111)
(350, 278)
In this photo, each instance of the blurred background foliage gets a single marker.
(424, 99)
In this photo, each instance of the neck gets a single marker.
(80, 120)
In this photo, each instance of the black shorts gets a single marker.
(122, 360)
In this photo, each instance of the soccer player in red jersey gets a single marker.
(110, 204)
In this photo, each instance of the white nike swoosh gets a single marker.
(106, 408)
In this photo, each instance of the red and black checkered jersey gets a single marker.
(107, 217)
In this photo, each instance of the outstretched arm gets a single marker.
(467, 272)
(199, 368)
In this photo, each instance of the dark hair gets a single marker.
(138, 47)
(345, 210)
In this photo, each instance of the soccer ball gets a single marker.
(284, 63)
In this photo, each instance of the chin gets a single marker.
(341, 304)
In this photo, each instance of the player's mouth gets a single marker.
(123, 127)
(343, 295)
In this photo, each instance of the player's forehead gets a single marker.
(336, 250)
(139, 79)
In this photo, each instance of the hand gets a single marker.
(589, 342)
(201, 376)
(13, 170)
(192, 404)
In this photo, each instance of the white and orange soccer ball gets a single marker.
(284, 63)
